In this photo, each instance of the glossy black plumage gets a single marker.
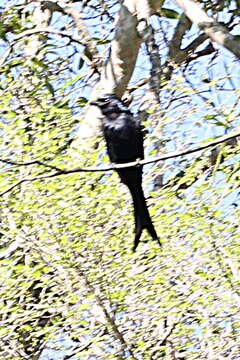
(124, 141)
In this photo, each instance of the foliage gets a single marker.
(69, 282)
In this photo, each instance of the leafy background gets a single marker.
(70, 285)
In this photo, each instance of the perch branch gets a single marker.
(59, 171)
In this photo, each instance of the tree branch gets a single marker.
(32, 162)
(110, 320)
(59, 171)
(167, 334)
(86, 38)
(40, 30)
(119, 65)
(48, 30)
(178, 55)
(216, 32)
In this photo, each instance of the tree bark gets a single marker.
(215, 31)
(118, 69)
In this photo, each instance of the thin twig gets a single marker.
(43, 30)
(32, 162)
(108, 317)
(167, 334)
(59, 171)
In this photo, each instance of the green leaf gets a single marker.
(169, 13)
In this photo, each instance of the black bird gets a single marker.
(124, 139)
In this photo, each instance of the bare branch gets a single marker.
(27, 163)
(167, 334)
(120, 63)
(209, 49)
(216, 32)
(146, 161)
(177, 55)
(175, 44)
(147, 34)
(46, 29)
(87, 40)
(110, 320)
(39, 30)
(29, 179)
(75, 13)
(174, 47)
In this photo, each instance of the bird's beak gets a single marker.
(96, 103)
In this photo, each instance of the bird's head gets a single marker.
(105, 100)
(110, 104)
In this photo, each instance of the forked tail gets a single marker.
(141, 214)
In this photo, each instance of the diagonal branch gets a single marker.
(32, 162)
(167, 334)
(146, 161)
(214, 30)
(75, 13)
(178, 55)
(108, 317)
